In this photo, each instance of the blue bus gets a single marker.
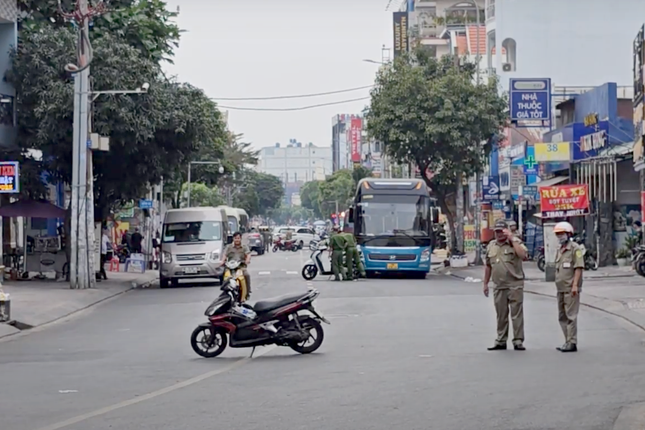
(392, 222)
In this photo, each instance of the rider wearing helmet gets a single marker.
(569, 264)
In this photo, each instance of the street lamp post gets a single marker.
(190, 163)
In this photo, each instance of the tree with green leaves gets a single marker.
(259, 193)
(291, 214)
(337, 190)
(202, 195)
(310, 197)
(432, 113)
(360, 172)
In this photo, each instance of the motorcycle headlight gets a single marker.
(425, 255)
(167, 257)
(214, 256)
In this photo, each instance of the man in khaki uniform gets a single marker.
(238, 252)
(503, 261)
(569, 265)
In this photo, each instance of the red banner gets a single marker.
(355, 138)
(564, 201)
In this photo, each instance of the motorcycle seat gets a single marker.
(277, 302)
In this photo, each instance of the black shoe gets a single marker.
(497, 347)
(519, 347)
(570, 347)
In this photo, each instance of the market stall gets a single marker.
(40, 252)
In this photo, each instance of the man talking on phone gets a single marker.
(503, 262)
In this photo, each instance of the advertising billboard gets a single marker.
(355, 129)
(564, 201)
(9, 177)
(401, 37)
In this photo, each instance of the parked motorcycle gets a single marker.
(589, 258)
(234, 275)
(287, 245)
(315, 266)
(638, 259)
(288, 320)
(123, 252)
(314, 243)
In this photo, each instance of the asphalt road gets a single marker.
(408, 354)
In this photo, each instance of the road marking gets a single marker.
(264, 273)
(289, 272)
(152, 395)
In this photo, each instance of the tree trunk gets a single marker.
(459, 221)
(451, 221)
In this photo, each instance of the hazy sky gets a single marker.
(264, 48)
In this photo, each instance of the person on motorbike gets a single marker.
(238, 252)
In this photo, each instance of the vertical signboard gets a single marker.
(639, 89)
(530, 101)
(355, 137)
(401, 38)
(9, 177)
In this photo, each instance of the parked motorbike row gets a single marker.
(286, 245)
(289, 320)
(589, 257)
(638, 259)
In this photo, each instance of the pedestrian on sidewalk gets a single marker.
(106, 246)
(569, 265)
(503, 261)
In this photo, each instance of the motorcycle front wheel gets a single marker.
(590, 263)
(309, 272)
(315, 331)
(275, 249)
(541, 263)
(639, 266)
(209, 342)
(295, 248)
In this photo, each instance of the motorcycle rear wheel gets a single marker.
(202, 348)
(310, 325)
(541, 263)
(309, 271)
(275, 249)
(640, 267)
(295, 248)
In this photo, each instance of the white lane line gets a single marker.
(290, 272)
(153, 394)
(264, 273)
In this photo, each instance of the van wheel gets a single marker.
(163, 282)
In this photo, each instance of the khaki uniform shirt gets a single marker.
(567, 260)
(237, 253)
(505, 264)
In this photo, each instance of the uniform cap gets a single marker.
(500, 225)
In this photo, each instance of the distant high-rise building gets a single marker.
(346, 138)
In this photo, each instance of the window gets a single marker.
(510, 47)
(192, 232)
(490, 9)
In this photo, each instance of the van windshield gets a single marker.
(197, 231)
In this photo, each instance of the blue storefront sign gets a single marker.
(9, 177)
(530, 191)
(490, 187)
(145, 204)
(530, 166)
(530, 99)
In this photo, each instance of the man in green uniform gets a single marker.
(503, 261)
(238, 252)
(569, 265)
(337, 246)
(352, 257)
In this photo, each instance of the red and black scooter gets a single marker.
(288, 320)
(287, 245)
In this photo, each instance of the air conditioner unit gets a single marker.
(507, 67)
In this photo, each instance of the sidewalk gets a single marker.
(35, 302)
(615, 290)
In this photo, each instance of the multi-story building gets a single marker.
(8, 40)
(295, 164)
(346, 139)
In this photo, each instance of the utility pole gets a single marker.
(82, 269)
(478, 179)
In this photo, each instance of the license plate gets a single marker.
(191, 270)
(392, 266)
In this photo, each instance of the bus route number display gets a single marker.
(9, 177)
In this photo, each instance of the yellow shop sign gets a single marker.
(545, 152)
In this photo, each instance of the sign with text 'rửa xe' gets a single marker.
(564, 201)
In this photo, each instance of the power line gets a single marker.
(293, 109)
(299, 96)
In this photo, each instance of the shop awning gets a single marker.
(553, 181)
(618, 150)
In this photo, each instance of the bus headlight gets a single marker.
(425, 255)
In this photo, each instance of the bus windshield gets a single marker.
(394, 215)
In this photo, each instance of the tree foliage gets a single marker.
(260, 193)
(290, 215)
(310, 197)
(432, 113)
(150, 134)
(202, 195)
(337, 188)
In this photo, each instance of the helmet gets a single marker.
(563, 227)
(512, 224)
(336, 227)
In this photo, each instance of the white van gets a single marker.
(238, 220)
(192, 243)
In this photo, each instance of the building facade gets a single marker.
(346, 140)
(8, 40)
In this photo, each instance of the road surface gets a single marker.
(407, 354)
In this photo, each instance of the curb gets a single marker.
(631, 417)
(626, 314)
(133, 285)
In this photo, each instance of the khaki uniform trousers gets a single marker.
(509, 302)
(568, 307)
